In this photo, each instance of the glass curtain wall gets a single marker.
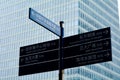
(79, 16)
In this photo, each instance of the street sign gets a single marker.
(39, 57)
(82, 49)
(87, 37)
(88, 53)
(43, 21)
(87, 48)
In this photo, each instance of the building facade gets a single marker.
(79, 16)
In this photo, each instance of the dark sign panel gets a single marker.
(82, 49)
(39, 57)
(38, 67)
(87, 48)
(88, 53)
(86, 59)
(87, 37)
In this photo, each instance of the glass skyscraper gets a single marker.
(79, 16)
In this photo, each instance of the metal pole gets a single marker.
(61, 51)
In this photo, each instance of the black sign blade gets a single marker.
(79, 50)
(38, 67)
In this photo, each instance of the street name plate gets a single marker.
(43, 21)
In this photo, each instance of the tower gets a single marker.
(80, 16)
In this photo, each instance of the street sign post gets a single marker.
(83, 49)
(61, 52)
